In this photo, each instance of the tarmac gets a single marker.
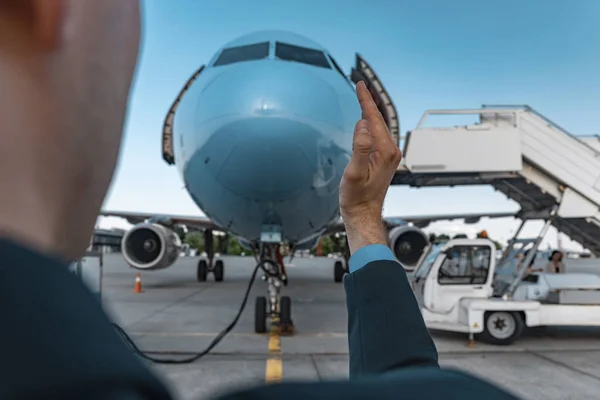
(176, 315)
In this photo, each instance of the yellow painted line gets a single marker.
(274, 343)
(274, 370)
(274, 367)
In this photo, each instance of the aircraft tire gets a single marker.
(338, 271)
(285, 310)
(202, 270)
(502, 327)
(219, 270)
(260, 315)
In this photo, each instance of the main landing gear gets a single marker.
(274, 306)
(206, 266)
(217, 267)
(340, 268)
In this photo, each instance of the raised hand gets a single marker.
(375, 158)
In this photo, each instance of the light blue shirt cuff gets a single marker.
(367, 254)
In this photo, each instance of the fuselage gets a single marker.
(263, 135)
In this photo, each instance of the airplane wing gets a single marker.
(422, 221)
(202, 223)
(199, 223)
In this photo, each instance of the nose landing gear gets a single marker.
(274, 306)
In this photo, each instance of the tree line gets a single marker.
(230, 246)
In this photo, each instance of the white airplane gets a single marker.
(261, 135)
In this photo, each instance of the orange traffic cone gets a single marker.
(137, 288)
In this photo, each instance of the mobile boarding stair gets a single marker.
(551, 173)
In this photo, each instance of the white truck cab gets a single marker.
(461, 286)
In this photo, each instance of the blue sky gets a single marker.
(428, 54)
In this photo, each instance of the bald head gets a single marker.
(65, 73)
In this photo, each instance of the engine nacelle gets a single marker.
(150, 246)
(408, 243)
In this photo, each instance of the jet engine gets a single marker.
(150, 246)
(408, 243)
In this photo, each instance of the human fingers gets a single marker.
(362, 145)
(379, 129)
(369, 109)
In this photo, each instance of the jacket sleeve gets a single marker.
(58, 342)
(386, 330)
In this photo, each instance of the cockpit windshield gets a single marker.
(237, 54)
(288, 52)
(425, 267)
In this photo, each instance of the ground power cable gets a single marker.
(131, 344)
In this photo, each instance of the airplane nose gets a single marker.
(270, 88)
(268, 131)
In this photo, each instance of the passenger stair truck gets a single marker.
(553, 175)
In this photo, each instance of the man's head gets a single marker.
(65, 72)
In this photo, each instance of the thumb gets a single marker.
(358, 167)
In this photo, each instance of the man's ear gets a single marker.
(48, 17)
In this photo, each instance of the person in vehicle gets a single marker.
(555, 265)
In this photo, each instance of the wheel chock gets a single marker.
(286, 329)
(471, 342)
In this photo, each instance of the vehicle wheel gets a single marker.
(338, 271)
(219, 270)
(502, 327)
(260, 315)
(285, 310)
(202, 270)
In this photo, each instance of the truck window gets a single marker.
(423, 270)
(465, 265)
